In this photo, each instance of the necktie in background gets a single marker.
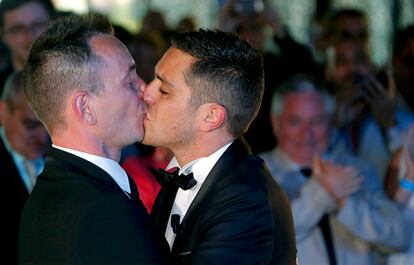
(324, 226)
(31, 172)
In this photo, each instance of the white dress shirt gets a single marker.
(200, 168)
(108, 165)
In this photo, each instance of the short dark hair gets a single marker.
(227, 71)
(61, 60)
(8, 5)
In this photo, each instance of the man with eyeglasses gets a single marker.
(23, 139)
(21, 22)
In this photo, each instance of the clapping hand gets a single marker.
(338, 180)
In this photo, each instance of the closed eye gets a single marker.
(162, 91)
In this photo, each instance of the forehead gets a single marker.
(303, 104)
(173, 61)
(25, 14)
(111, 50)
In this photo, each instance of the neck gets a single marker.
(204, 148)
(90, 145)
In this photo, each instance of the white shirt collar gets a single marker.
(286, 160)
(108, 165)
(200, 167)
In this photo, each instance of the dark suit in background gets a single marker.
(13, 195)
(239, 216)
(90, 221)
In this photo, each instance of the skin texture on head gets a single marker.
(21, 26)
(23, 130)
(104, 124)
(172, 122)
(302, 128)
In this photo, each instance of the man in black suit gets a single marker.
(207, 90)
(23, 142)
(83, 208)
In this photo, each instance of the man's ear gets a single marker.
(83, 108)
(213, 116)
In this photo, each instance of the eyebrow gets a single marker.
(165, 81)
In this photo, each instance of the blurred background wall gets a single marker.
(299, 16)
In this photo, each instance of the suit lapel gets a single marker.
(236, 151)
(162, 207)
(165, 199)
(229, 160)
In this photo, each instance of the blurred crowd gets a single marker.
(335, 130)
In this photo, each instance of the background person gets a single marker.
(23, 143)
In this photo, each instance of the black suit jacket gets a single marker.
(13, 195)
(239, 216)
(77, 214)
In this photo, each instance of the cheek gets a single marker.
(20, 136)
(289, 133)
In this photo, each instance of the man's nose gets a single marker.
(148, 92)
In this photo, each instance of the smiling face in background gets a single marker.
(170, 120)
(302, 127)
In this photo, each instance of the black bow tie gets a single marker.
(163, 177)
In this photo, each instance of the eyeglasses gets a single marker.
(21, 29)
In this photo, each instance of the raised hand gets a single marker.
(338, 180)
(381, 98)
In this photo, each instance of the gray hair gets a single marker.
(299, 84)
